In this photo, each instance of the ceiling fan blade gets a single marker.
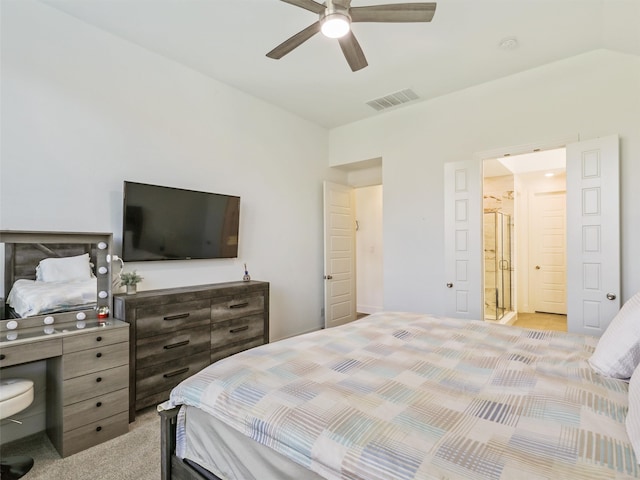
(352, 52)
(396, 12)
(295, 41)
(310, 5)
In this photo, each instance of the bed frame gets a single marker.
(172, 467)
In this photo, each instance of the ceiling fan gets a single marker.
(335, 21)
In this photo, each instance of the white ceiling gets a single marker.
(228, 39)
(548, 161)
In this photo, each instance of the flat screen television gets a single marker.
(165, 223)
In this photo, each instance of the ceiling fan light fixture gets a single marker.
(335, 25)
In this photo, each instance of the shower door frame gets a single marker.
(500, 243)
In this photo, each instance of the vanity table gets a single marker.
(85, 358)
(87, 369)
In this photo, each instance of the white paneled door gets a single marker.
(463, 240)
(549, 252)
(593, 234)
(339, 255)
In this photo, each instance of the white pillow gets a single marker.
(618, 351)
(65, 269)
(632, 422)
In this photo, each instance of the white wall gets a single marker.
(82, 111)
(590, 95)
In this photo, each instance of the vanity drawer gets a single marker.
(165, 376)
(227, 350)
(95, 359)
(95, 433)
(172, 346)
(236, 330)
(97, 338)
(30, 352)
(172, 317)
(226, 308)
(78, 414)
(95, 384)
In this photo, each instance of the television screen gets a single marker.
(163, 223)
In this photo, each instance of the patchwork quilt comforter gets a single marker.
(409, 396)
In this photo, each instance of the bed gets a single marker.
(410, 396)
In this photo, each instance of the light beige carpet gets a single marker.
(133, 456)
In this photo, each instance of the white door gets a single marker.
(339, 255)
(550, 262)
(593, 234)
(463, 239)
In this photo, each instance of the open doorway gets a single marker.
(524, 225)
(353, 243)
(369, 271)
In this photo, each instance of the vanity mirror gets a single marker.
(54, 278)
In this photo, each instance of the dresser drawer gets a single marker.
(88, 411)
(97, 338)
(172, 317)
(153, 399)
(172, 346)
(30, 352)
(167, 375)
(227, 350)
(237, 330)
(95, 433)
(226, 308)
(95, 384)
(95, 359)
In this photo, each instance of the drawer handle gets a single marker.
(177, 317)
(99, 339)
(239, 305)
(99, 404)
(177, 372)
(175, 345)
(2, 356)
(99, 379)
(239, 329)
(98, 429)
(98, 355)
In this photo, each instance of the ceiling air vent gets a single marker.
(393, 99)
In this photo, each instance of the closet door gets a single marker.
(593, 234)
(463, 284)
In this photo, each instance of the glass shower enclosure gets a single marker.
(497, 265)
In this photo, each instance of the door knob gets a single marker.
(537, 267)
(449, 285)
(611, 296)
(328, 277)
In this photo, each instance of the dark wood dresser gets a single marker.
(176, 332)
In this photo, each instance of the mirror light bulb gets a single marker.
(335, 25)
